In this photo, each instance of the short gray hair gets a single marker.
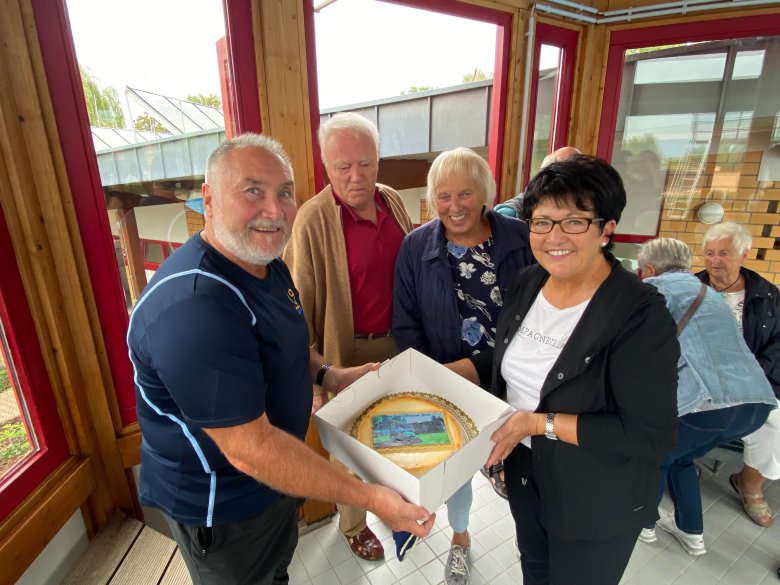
(247, 140)
(460, 162)
(349, 122)
(740, 237)
(665, 254)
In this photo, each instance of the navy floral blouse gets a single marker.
(479, 297)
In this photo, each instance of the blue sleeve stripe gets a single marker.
(193, 441)
(228, 284)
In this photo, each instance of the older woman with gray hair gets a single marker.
(450, 276)
(755, 302)
(722, 393)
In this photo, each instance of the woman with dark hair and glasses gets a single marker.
(587, 354)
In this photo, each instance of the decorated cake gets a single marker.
(415, 430)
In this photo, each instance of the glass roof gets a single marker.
(108, 138)
(175, 115)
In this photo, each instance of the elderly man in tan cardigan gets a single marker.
(341, 256)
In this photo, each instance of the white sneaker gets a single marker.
(692, 543)
(648, 535)
(458, 567)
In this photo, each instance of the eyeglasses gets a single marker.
(570, 225)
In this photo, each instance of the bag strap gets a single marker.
(691, 310)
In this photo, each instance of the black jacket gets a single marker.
(760, 322)
(618, 372)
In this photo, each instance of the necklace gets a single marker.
(722, 290)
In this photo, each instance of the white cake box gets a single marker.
(412, 371)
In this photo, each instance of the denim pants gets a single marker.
(459, 507)
(699, 433)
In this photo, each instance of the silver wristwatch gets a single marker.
(549, 427)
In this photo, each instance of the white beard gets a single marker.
(239, 244)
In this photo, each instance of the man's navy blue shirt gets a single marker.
(213, 346)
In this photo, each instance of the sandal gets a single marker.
(366, 545)
(759, 512)
(494, 476)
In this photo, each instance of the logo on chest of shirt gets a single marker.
(294, 301)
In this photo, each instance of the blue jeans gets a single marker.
(699, 433)
(458, 508)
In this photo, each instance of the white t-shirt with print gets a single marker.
(534, 349)
(736, 302)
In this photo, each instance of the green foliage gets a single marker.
(652, 49)
(646, 141)
(145, 123)
(477, 75)
(418, 89)
(5, 383)
(13, 440)
(103, 105)
(212, 100)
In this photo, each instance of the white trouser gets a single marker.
(762, 448)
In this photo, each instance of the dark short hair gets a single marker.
(590, 183)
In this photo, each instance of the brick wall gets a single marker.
(732, 181)
(195, 221)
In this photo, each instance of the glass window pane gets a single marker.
(681, 69)
(680, 142)
(546, 98)
(776, 129)
(17, 438)
(414, 90)
(748, 64)
(153, 253)
(165, 117)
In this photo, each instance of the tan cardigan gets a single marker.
(317, 257)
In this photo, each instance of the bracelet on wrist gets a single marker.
(321, 373)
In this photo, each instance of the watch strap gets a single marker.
(321, 373)
(549, 427)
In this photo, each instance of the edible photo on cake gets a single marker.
(406, 430)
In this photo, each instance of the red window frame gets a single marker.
(503, 22)
(167, 250)
(59, 59)
(622, 40)
(566, 40)
(26, 360)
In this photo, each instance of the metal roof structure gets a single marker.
(175, 116)
(417, 125)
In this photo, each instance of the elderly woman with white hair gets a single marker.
(450, 276)
(755, 302)
(722, 393)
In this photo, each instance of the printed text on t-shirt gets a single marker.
(540, 338)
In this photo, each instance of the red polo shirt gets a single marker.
(371, 252)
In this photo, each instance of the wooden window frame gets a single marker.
(566, 40)
(27, 362)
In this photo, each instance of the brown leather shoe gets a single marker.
(366, 545)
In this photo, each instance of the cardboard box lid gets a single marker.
(415, 372)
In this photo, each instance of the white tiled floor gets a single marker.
(738, 551)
